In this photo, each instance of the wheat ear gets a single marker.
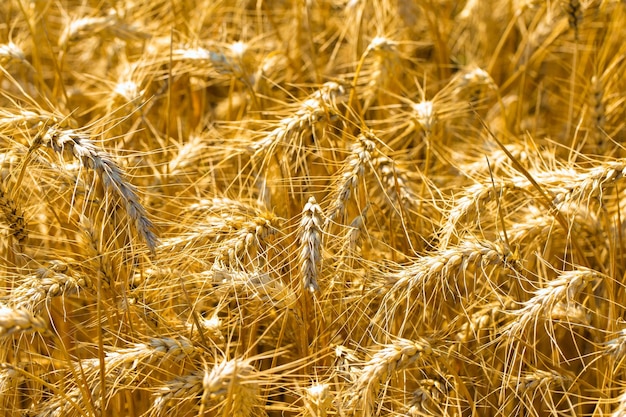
(563, 288)
(354, 169)
(14, 216)
(18, 320)
(310, 245)
(391, 358)
(112, 176)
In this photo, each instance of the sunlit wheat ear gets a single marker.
(187, 153)
(425, 114)
(310, 240)
(585, 185)
(10, 378)
(317, 400)
(11, 51)
(540, 379)
(315, 108)
(469, 207)
(354, 234)
(122, 368)
(564, 288)
(383, 68)
(19, 320)
(77, 29)
(469, 82)
(229, 385)
(436, 274)
(112, 176)
(127, 88)
(616, 347)
(156, 349)
(354, 169)
(249, 239)
(430, 399)
(499, 161)
(255, 285)
(177, 392)
(384, 363)
(56, 280)
(22, 119)
(396, 183)
(233, 59)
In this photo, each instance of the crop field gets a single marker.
(312, 208)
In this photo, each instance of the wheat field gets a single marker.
(312, 208)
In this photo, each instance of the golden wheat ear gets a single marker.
(80, 146)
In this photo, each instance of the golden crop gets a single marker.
(312, 208)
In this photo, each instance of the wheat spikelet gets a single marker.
(428, 273)
(541, 379)
(79, 28)
(310, 240)
(399, 189)
(616, 347)
(574, 15)
(180, 389)
(229, 384)
(469, 205)
(382, 69)
(233, 383)
(255, 284)
(598, 114)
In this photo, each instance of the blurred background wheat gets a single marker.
(312, 208)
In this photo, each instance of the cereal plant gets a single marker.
(322, 208)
